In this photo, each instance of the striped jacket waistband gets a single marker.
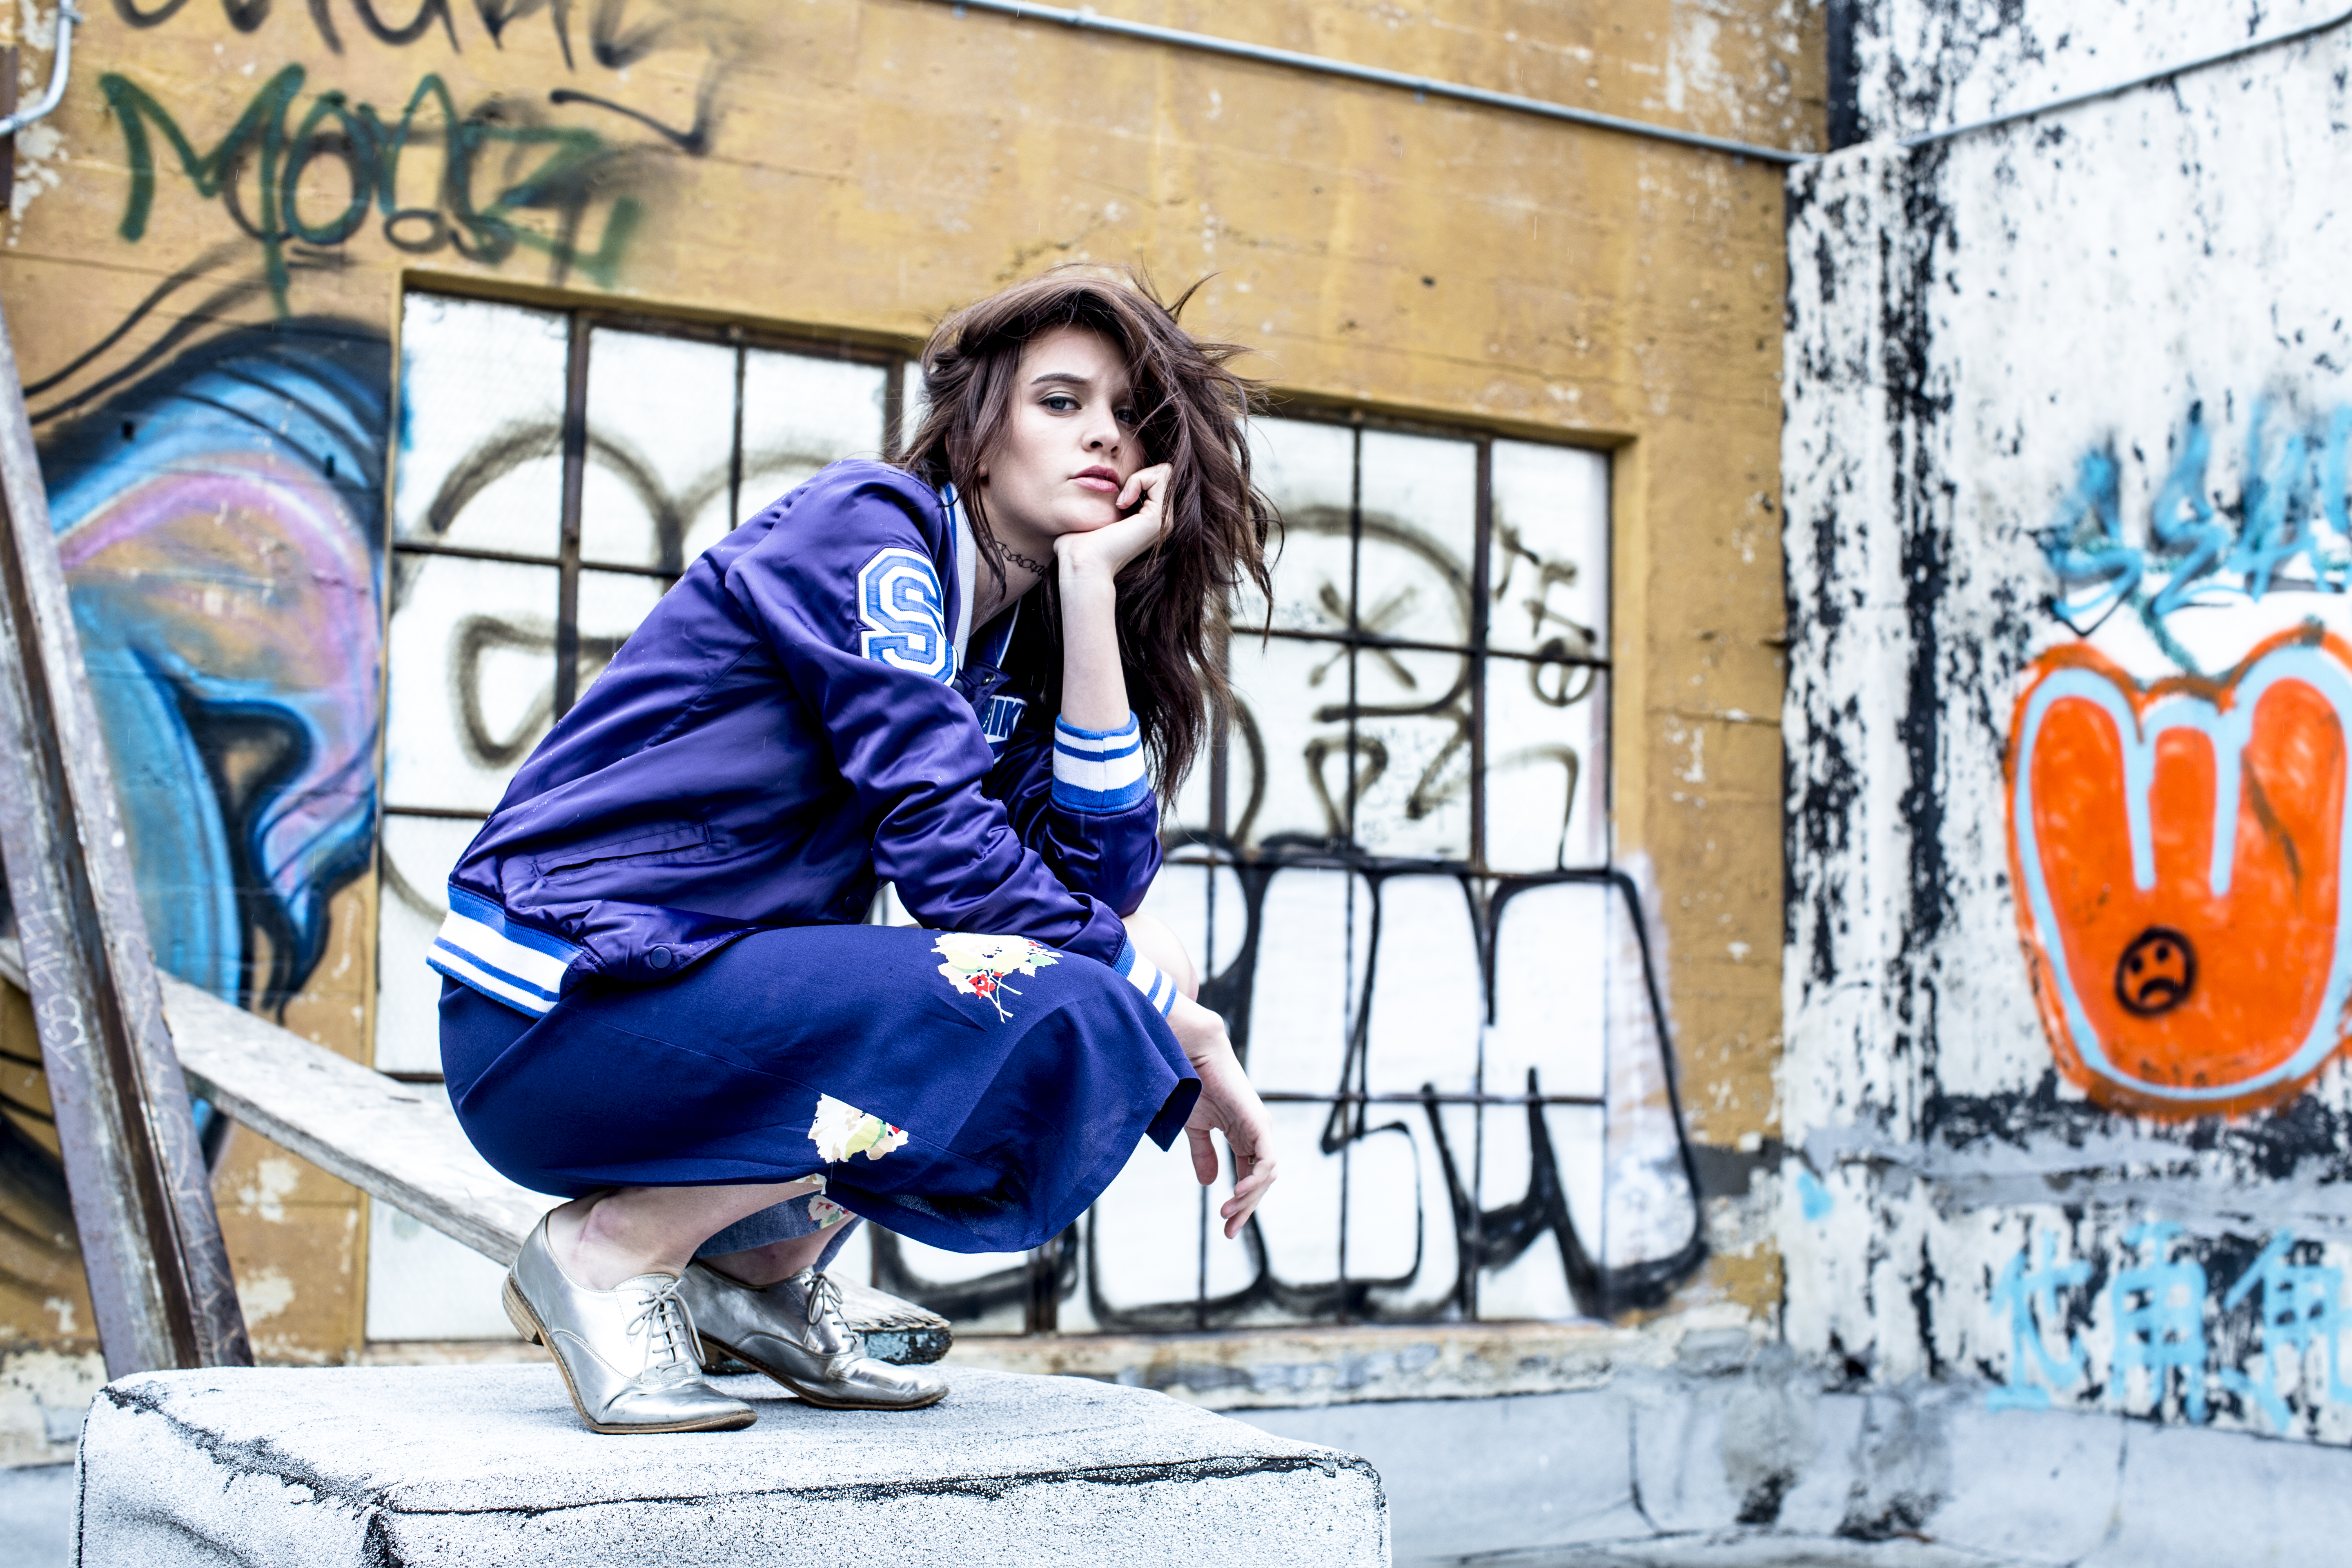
(480, 947)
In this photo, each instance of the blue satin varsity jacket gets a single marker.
(799, 719)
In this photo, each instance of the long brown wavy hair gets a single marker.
(1192, 408)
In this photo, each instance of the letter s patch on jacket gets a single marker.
(899, 602)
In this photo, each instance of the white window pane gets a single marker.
(1384, 1198)
(1535, 1284)
(1548, 572)
(418, 853)
(1412, 754)
(1202, 905)
(661, 434)
(931, 1265)
(1302, 1226)
(1652, 1209)
(481, 420)
(1419, 519)
(801, 412)
(1147, 1233)
(612, 604)
(1398, 1204)
(1289, 754)
(1427, 1000)
(1547, 766)
(1552, 997)
(472, 651)
(1312, 938)
(1307, 470)
(856, 1259)
(1187, 816)
(423, 1286)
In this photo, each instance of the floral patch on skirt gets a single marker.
(842, 1129)
(977, 965)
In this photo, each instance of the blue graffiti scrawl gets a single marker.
(2300, 1309)
(2028, 1299)
(2159, 1307)
(2289, 530)
(221, 525)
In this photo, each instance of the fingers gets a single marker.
(1143, 482)
(1257, 1177)
(1204, 1155)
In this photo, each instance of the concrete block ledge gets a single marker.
(464, 1465)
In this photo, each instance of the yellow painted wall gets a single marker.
(864, 165)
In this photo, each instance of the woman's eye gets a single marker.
(1129, 416)
(1062, 402)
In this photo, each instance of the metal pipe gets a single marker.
(1430, 87)
(60, 67)
(2221, 56)
(1422, 86)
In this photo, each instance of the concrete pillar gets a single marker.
(462, 1466)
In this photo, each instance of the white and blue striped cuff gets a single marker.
(479, 947)
(1098, 770)
(1146, 977)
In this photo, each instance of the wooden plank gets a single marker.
(160, 1286)
(383, 1136)
(404, 1145)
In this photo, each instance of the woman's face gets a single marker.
(1070, 446)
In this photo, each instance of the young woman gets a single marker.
(945, 675)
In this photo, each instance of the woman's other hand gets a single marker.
(1101, 551)
(1227, 1105)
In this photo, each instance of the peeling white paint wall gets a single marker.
(1976, 328)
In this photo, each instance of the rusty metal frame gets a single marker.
(150, 1239)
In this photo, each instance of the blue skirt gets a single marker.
(973, 1093)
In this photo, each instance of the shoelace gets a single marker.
(823, 1298)
(666, 1313)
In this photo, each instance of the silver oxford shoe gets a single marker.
(628, 1353)
(794, 1332)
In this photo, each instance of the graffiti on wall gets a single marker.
(220, 522)
(2074, 1116)
(2175, 849)
(219, 518)
(2176, 842)
(511, 172)
(2286, 532)
(2180, 1325)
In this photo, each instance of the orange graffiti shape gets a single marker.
(2176, 976)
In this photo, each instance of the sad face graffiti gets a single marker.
(2177, 856)
(2155, 972)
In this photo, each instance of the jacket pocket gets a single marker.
(681, 842)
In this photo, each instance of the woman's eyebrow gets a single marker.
(1067, 377)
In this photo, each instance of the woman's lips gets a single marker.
(1102, 481)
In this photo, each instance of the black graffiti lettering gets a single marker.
(325, 23)
(435, 236)
(617, 49)
(129, 12)
(615, 42)
(498, 15)
(427, 13)
(694, 141)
